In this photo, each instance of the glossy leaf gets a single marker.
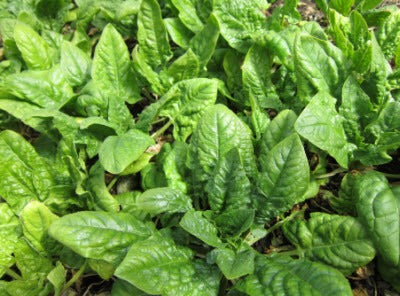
(271, 277)
(320, 124)
(100, 235)
(284, 178)
(338, 241)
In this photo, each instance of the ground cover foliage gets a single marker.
(198, 147)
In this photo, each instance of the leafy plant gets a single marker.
(197, 147)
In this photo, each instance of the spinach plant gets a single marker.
(203, 147)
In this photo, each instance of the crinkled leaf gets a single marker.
(159, 266)
(284, 178)
(159, 200)
(235, 264)
(100, 235)
(320, 124)
(196, 224)
(152, 34)
(339, 241)
(289, 277)
(75, 64)
(378, 211)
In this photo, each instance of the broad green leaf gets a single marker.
(100, 235)
(35, 51)
(174, 166)
(204, 42)
(36, 218)
(159, 266)
(10, 232)
(319, 67)
(239, 20)
(229, 187)
(388, 35)
(218, 132)
(159, 200)
(290, 277)
(24, 174)
(280, 127)
(378, 211)
(196, 224)
(188, 14)
(178, 32)
(102, 199)
(345, 203)
(112, 68)
(57, 277)
(234, 221)
(235, 264)
(47, 89)
(152, 34)
(185, 67)
(320, 124)
(103, 268)
(75, 64)
(118, 152)
(356, 108)
(385, 122)
(389, 273)
(369, 4)
(343, 6)
(257, 78)
(284, 178)
(339, 241)
(185, 103)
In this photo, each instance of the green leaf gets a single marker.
(320, 124)
(57, 277)
(103, 200)
(185, 67)
(112, 69)
(75, 64)
(196, 224)
(24, 174)
(218, 132)
(284, 178)
(174, 166)
(178, 32)
(233, 222)
(289, 277)
(35, 51)
(36, 219)
(280, 127)
(239, 20)
(185, 103)
(159, 266)
(47, 89)
(10, 232)
(343, 6)
(229, 187)
(100, 235)
(356, 109)
(152, 34)
(188, 14)
(257, 78)
(378, 211)
(118, 152)
(388, 35)
(339, 241)
(235, 264)
(319, 67)
(160, 200)
(204, 42)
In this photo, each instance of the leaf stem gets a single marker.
(393, 176)
(112, 183)
(161, 130)
(13, 274)
(280, 223)
(75, 277)
(331, 174)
